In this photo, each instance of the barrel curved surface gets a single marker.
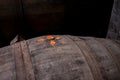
(71, 58)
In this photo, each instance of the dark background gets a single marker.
(32, 18)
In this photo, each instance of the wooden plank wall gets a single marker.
(44, 15)
(7, 17)
(28, 17)
(23, 16)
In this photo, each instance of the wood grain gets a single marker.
(71, 58)
(27, 61)
(19, 63)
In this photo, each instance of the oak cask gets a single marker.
(70, 58)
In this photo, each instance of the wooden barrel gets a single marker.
(71, 58)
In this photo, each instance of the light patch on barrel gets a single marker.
(41, 40)
(52, 39)
(52, 42)
(58, 38)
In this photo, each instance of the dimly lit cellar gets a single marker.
(31, 18)
(59, 40)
